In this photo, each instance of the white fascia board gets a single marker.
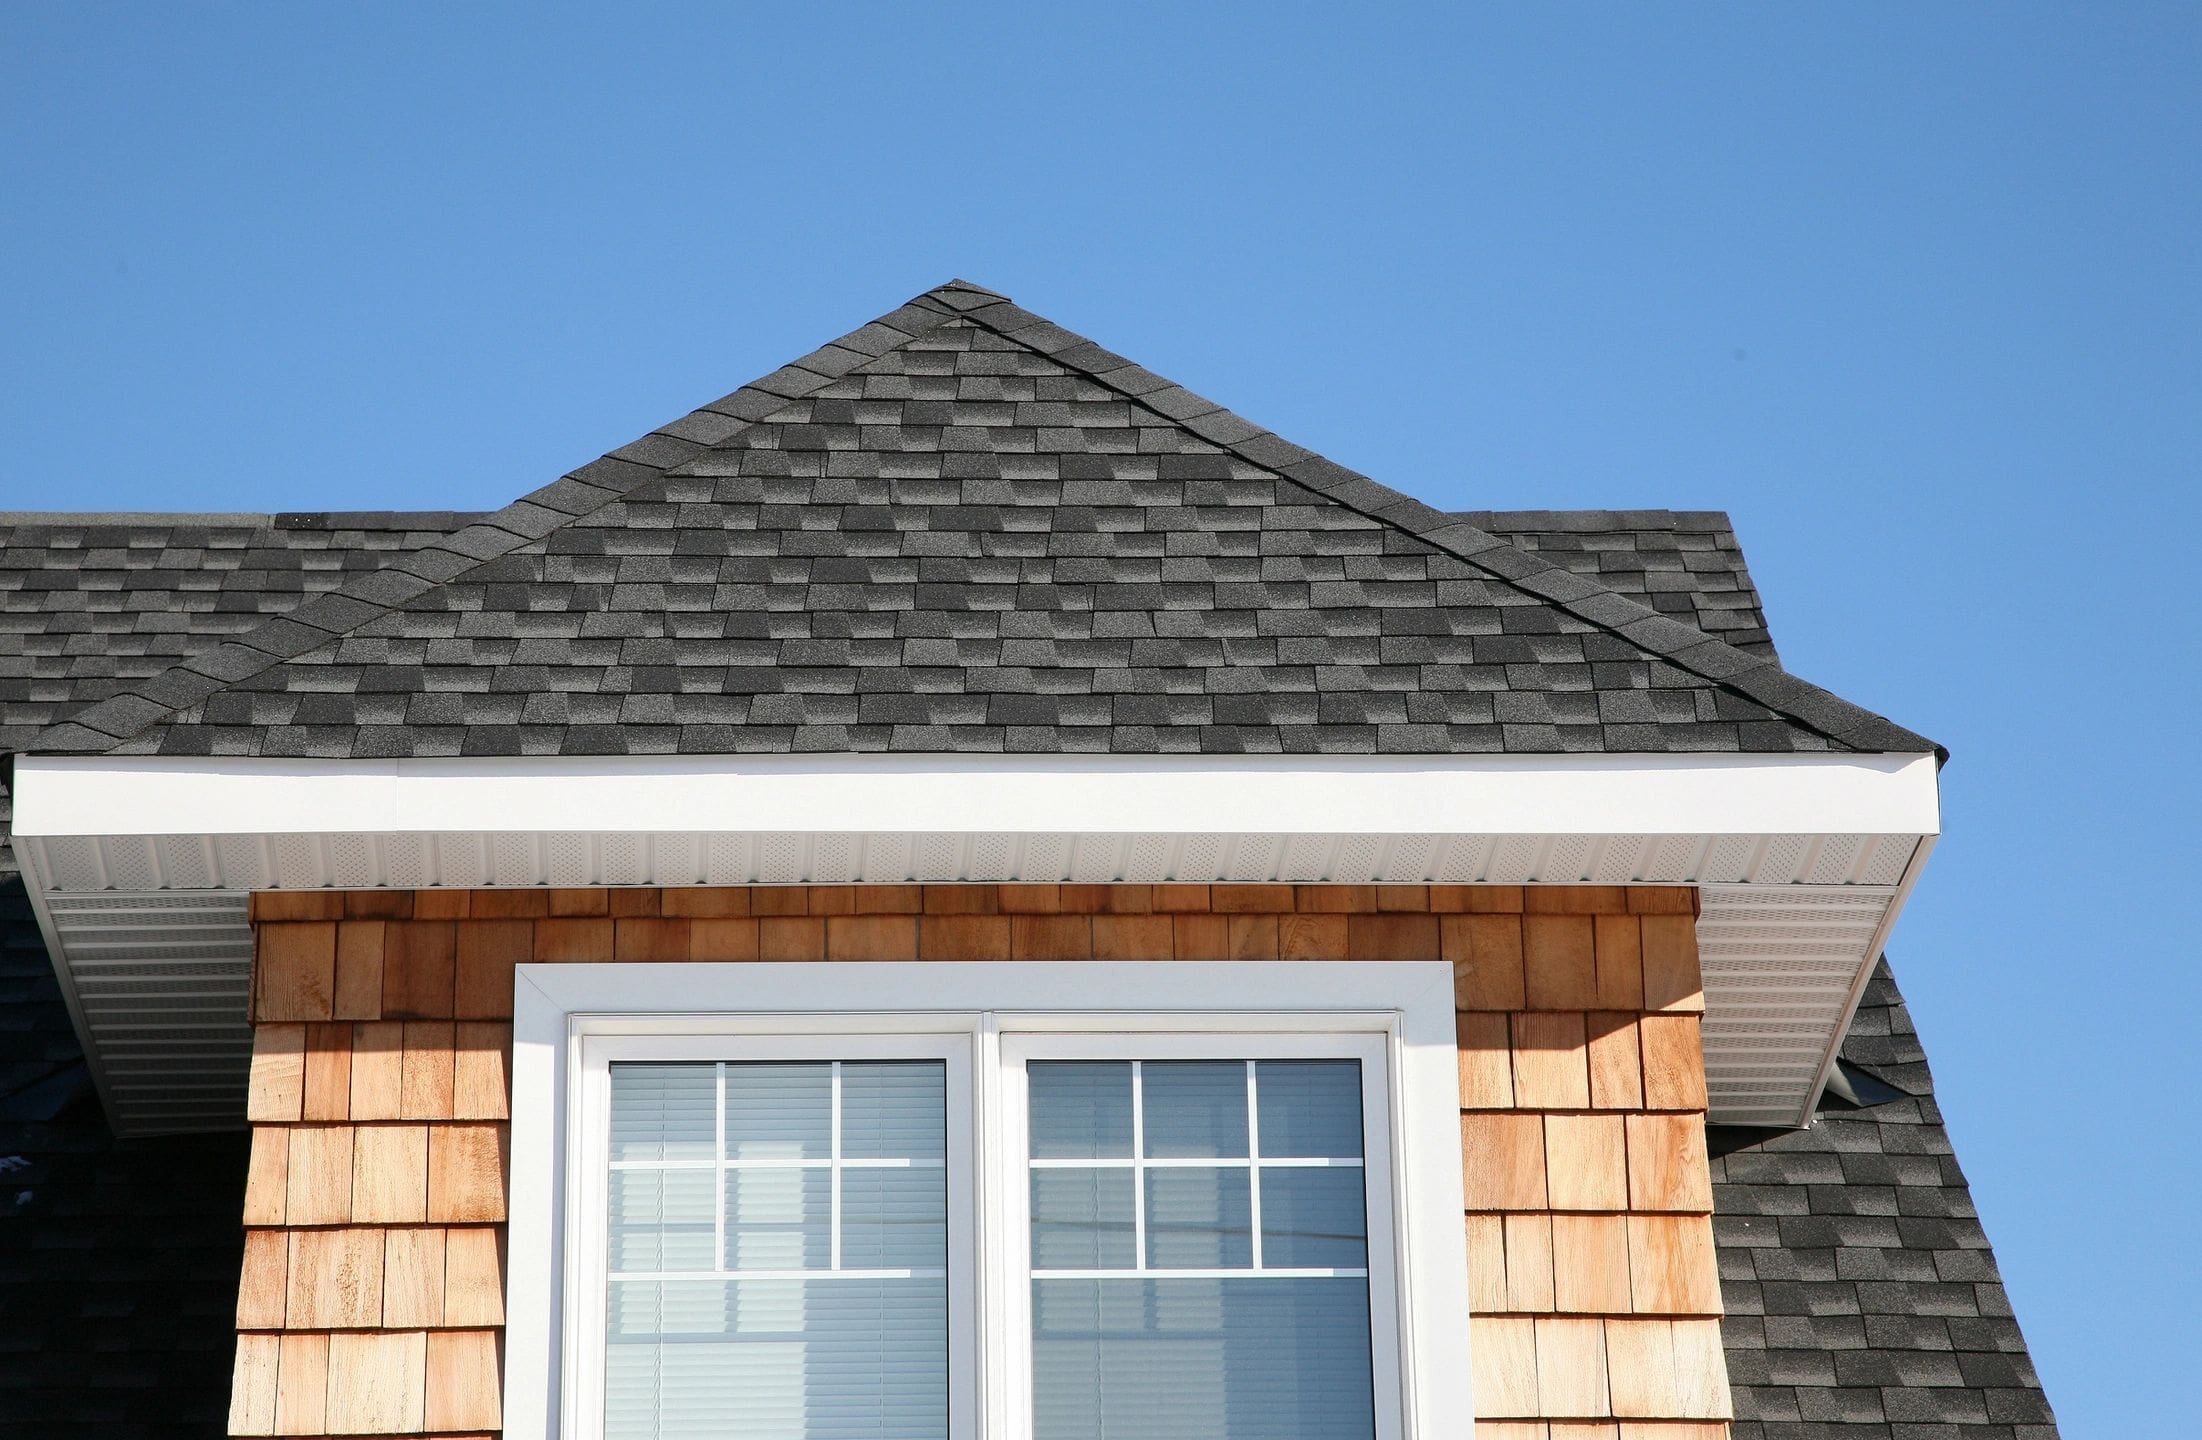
(1426, 794)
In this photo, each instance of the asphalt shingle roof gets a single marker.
(1863, 1300)
(963, 528)
(89, 603)
(1683, 563)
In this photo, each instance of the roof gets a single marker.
(964, 528)
(1685, 564)
(1862, 1297)
(89, 602)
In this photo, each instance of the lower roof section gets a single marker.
(139, 866)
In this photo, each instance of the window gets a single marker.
(1196, 1235)
(776, 1248)
(990, 1203)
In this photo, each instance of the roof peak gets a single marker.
(669, 452)
(959, 287)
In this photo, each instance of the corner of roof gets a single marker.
(144, 704)
(1708, 657)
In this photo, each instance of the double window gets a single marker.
(1060, 1221)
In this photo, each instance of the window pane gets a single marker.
(665, 1112)
(1082, 1219)
(1313, 1218)
(894, 1219)
(1198, 1218)
(779, 1218)
(779, 1112)
(1080, 1110)
(815, 1359)
(661, 1220)
(1201, 1359)
(827, 1352)
(1310, 1108)
(1194, 1108)
(893, 1110)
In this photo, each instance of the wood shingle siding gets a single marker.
(372, 1294)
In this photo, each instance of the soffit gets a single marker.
(150, 932)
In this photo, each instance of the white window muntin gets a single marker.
(563, 1013)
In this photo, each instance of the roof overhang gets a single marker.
(139, 866)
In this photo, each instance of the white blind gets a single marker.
(1199, 1251)
(777, 1252)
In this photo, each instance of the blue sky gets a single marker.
(1911, 291)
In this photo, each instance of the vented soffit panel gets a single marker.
(152, 940)
(139, 867)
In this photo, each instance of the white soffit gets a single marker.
(140, 866)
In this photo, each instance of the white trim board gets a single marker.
(1441, 794)
(139, 867)
(1408, 1006)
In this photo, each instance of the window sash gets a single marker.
(589, 1179)
(1009, 1159)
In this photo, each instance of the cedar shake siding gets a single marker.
(372, 1291)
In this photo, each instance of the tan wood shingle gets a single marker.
(261, 1282)
(463, 1392)
(1503, 1157)
(474, 1278)
(335, 1279)
(1502, 1355)
(1571, 1367)
(390, 1174)
(294, 973)
(466, 1173)
(1585, 1162)
(378, 1070)
(302, 1384)
(1616, 1070)
(1590, 1264)
(424, 1085)
(320, 1175)
(252, 1385)
(276, 1087)
(377, 1382)
(1551, 1063)
(413, 1260)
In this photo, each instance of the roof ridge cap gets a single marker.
(255, 518)
(1675, 642)
(143, 704)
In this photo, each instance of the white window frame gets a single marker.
(572, 1021)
